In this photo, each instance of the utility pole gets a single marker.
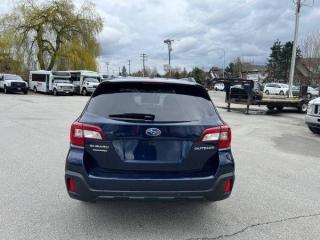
(107, 68)
(294, 48)
(224, 62)
(170, 49)
(129, 67)
(144, 59)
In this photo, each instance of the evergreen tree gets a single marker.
(124, 72)
(279, 61)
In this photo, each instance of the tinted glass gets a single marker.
(167, 102)
(61, 80)
(13, 77)
(39, 77)
(92, 80)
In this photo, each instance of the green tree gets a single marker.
(199, 75)
(10, 59)
(55, 31)
(124, 71)
(184, 73)
(279, 61)
(234, 69)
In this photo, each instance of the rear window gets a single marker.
(166, 102)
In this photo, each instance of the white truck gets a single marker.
(12, 83)
(85, 82)
(51, 82)
(313, 116)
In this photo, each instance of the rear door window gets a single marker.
(166, 102)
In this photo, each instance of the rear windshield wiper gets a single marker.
(133, 116)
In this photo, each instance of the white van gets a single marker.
(12, 83)
(85, 82)
(51, 82)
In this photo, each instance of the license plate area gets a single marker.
(164, 151)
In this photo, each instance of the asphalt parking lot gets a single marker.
(276, 194)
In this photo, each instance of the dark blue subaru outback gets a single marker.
(149, 138)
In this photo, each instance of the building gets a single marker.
(308, 71)
(254, 72)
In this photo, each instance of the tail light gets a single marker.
(220, 135)
(81, 131)
(228, 186)
(71, 185)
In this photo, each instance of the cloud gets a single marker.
(245, 28)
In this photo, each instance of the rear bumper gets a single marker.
(211, 186)
(91, 186)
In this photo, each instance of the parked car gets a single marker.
(13, 83)
(312, 92)
(295, 91)
(313, 116)
(79, 81)
(276, 89)
(149, 138)
(219, 87)
(89, 85)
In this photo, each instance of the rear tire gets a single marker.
(314, 130)
(279, 108)
(267, 92)
(309, 96)
(35, 90)
(303, 108)
(281, 93)
(270, 107)
(25, 92)
(5, 90)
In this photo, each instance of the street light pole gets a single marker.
(129, 67)
(224, 62)
(169, 42)
(107, 68)
(294, 48)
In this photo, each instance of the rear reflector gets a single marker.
(228, 186)
(81, 131)
(221, 135)
(71, 185)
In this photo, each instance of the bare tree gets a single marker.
(311, 46)
(311, 53)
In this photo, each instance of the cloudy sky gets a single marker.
(200, 28)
